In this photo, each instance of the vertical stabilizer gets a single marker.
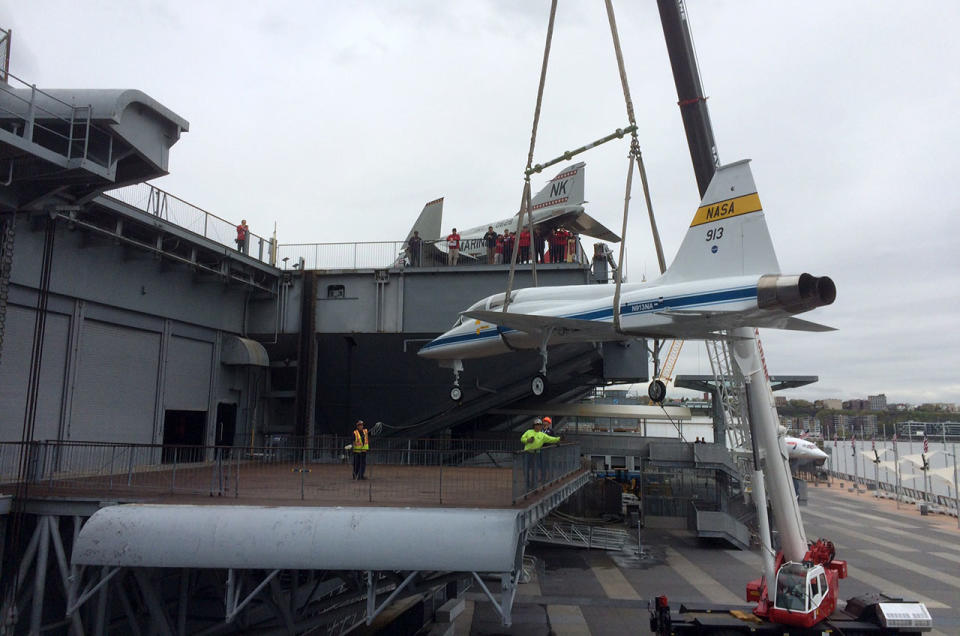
(563, 191)
(728, 235)
(428, 223)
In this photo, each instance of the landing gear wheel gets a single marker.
(657, 391)
(456, 394)
(538, 385)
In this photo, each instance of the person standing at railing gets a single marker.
(361, 444)
(555, 249)
(524, 245)
(533, 440)
(548, 426)
(538, 242)
(509, 238)
(571, 247)
(243, 236)
(490, 241)
(453, 247)
(498, 251)
(414, 248)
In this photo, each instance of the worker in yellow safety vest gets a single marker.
(361, 444)
(533, 440)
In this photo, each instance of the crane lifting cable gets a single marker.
(525, 200)
(635, 157)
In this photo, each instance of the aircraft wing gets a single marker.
(591, 330)
(787, 322)
(796, 324)
(581, 223)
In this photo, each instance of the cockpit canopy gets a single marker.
(489, 303)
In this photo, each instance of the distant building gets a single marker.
(865, 425)
(779, 400)
(810, 424)
(840, 424)
(856, 405)
(899, 406)
(908, 430)
(832, 404)
(877, 402)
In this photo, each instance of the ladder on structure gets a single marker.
(578, 535)
(666, 371)
(733, 402)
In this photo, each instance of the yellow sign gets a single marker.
(722, 210)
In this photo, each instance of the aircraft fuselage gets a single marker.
(689, 310)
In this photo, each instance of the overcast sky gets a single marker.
(339, 120)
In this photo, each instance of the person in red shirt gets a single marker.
(243, 231)
(555, 240)
(498, 254)
(562, 236)
(525, 246)
(453, 247)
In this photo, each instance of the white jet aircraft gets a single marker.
(725, 275)
(559, 203)
(801, 452)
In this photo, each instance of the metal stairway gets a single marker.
(733, 402)
(578, 535)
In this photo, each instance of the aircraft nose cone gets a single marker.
(429, 350)
(818, 455)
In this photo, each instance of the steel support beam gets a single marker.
(233, 603)
(372, 610)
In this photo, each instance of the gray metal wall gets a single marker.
(127, 337)
(115, 394)
(416, 300)
(15, 370)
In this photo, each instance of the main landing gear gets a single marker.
(538, 385)
(456, 393)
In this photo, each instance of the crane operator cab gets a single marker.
(800, 594)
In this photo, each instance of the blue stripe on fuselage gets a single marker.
(685, 301)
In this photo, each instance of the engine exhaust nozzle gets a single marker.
(795, 294)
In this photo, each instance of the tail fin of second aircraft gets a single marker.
(728, 235)
(428, 223)
(564, 190)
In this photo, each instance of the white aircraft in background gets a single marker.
(559, 203)
(725, 275)
(802, 452)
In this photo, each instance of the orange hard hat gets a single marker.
(547, 420)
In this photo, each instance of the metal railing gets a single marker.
(539, 469)
(451, 472)
(364, 255)
(907, 494)
(153, 200)
(382, 255)
(42, 119)
(578, 535)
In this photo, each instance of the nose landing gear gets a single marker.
(538, 384)
(456, 393)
